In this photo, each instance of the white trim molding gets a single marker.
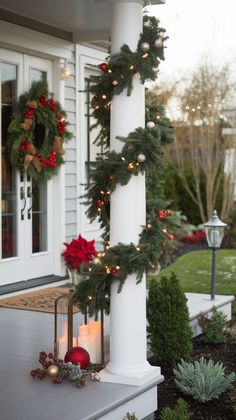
(28, 40)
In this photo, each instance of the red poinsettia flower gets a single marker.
(79, 251)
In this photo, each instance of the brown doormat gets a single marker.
(39, 301)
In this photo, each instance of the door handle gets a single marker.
(29, 192)
(32, 203)
(22, 197)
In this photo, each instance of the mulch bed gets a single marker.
(217, 409)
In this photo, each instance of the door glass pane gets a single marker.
(39, 217)
(8, 191)
(38, 75)
(39, 196)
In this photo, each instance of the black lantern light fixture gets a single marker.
(214, 229)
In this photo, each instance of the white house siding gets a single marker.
(71, 199)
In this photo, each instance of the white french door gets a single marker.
(26, 207)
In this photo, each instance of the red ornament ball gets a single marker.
(104, 67)
(100, 202)
(78, 355)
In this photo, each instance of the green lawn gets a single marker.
(194, 271)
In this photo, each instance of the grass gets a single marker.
(194, 271)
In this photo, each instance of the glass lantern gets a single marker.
(214, 229)
(63, 325)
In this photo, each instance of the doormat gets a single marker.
(40, 301)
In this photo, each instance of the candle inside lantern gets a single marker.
(95, 334)
(83, 338)
(63, 342)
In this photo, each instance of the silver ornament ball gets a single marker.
(159, 43)
(145, 46)
(150, 124)
(141, 158)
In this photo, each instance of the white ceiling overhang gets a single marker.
(73, 20)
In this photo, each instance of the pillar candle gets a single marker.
(95, 331)
(83, 338)
(62, 343)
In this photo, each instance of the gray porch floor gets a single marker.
(22, 335)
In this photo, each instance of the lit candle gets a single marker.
(62, 343)
(83, 338)
(95, 335)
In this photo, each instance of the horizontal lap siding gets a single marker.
(70, 156)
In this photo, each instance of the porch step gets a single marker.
(201, 303)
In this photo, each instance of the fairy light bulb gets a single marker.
(131, 165)
(104, 96)
(149, 225)
(145, 55)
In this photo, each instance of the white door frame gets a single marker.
(58, 190)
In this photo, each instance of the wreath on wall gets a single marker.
(37, 132)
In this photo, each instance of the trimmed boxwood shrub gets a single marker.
(169, 332)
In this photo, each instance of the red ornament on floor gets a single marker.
(78, 355)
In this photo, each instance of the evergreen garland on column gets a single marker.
(143, 149)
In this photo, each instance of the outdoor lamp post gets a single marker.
(214, 229)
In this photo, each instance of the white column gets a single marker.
(128, 364)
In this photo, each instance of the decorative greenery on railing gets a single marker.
(143, 149)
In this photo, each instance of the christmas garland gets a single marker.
(122, 69)
(37, 133)
(143, 149)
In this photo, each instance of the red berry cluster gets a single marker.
(29, 113)
(49, 162)
(59, 116)
(24, 146)
(43, 100)
(52, 104)
(47, 360)
(163, 213)
(61, 126)
(114, 271)
(100, 202)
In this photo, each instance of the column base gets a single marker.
(139, 375)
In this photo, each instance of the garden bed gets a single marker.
(217, 409)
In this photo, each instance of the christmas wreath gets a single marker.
(37, 132)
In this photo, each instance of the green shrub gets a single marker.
(130, 417)
(215, 329)
(169, 332)
(180, 412)
(202, 380)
